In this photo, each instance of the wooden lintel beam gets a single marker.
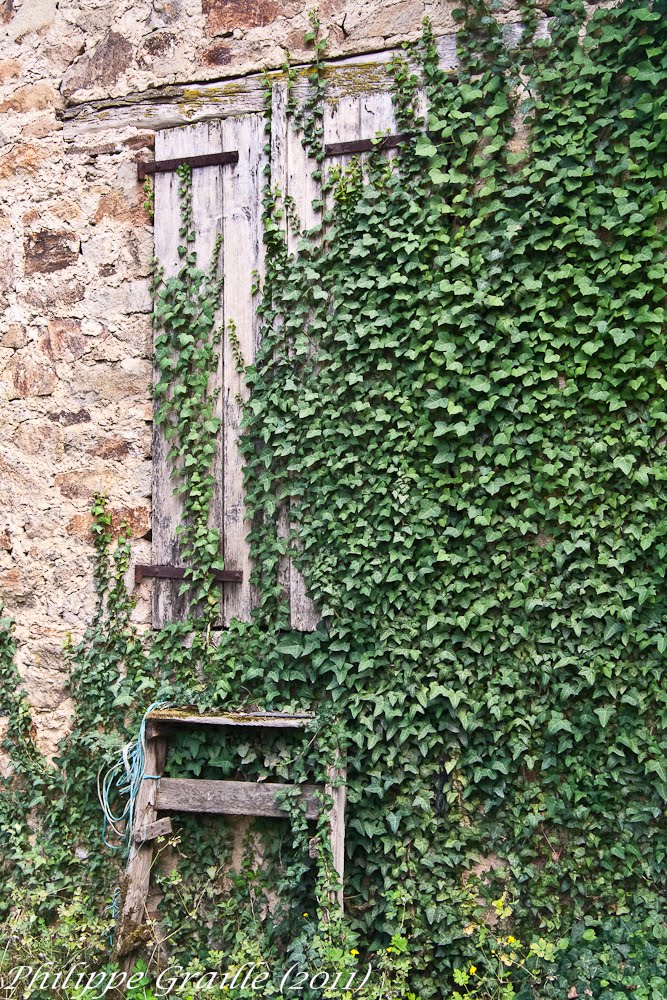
(230, 798)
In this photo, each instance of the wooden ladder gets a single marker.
(223, 798)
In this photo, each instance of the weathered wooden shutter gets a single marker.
(225, 199)
(228, 199)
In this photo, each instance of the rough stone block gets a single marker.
(112, 447)
(21, 159)
(32, 97)
(33, 16)
(55, 294)
(100, 67)
(37, 437)
(68, 418)
(40, 127)
(218, 55)
(115, 205)
(50, 250)
(63, 340)
(30, 378)
(9, 69)
(136, 519)
(225, 15)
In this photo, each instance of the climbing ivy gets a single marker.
(459, 398)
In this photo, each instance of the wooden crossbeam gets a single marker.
(230, 798)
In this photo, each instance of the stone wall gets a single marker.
(75, 243)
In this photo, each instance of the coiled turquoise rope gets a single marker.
(123, 779)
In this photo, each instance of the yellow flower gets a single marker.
(305, 914)
(473, 970)
(511, 940)
(353, 951)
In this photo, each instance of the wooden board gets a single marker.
(158, 723)
(229, 798)
(336, 788)
(243, 254)
(279, 185)
(303, 190)
(207, 209)
(174, 105)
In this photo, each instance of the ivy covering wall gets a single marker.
(460, 397)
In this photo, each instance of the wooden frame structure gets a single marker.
(160, 794)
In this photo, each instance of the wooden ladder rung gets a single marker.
(230, 798)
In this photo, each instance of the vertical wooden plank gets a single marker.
(341, 124)
(376, 116)
(279, 183)
(137, 877)
(242, 254)
(207, 219)
(166, 507)
(303, 190)
(336, 788)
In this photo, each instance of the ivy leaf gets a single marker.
(621, 337)
(424, 146)
(624, 463)
(604, 714)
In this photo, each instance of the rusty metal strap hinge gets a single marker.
(178, 573)
(366, 145)
(205, 160)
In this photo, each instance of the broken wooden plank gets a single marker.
(230, 798)
(151, 831)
